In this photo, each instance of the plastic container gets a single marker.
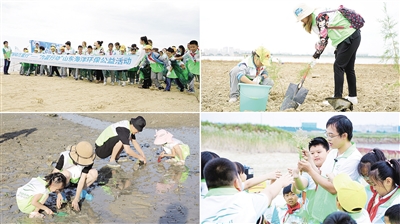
(253, 97)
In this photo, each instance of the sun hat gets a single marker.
(302, 11)
(82, 153)
(264, 55)
(162, 137)
(148, 47)
(122, 47)
(351, 194)
(139, 123)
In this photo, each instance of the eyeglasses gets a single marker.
(330, 135)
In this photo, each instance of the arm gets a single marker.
(258, 179)
(320, 180)
(81, 184)
(273, 190)
(307, 156)
(139, 149)
(38, 205)
(299, 183)
(173, 153)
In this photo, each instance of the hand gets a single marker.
(48, 211)
(330, 177)
(312, 63)
(286, 179)
(274, 175)
(257, 80)
(183, 66)
(75, 203)
(295, 172)
(306, 154)
(143, 159)
(304, 165)
(59, 200)
(162, 154)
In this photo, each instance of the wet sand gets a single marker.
(156, 192)
(375, 87)
(53, 94)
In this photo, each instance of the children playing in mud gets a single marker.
(116, 137)
(173, 148)
(32, 196)
(76, 163)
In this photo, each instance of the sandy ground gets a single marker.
(374, 85)
(154, 193)
(53, 94)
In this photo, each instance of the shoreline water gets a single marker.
(299, 59)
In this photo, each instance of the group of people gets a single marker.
(332, 183)
(327, 25)
(153, 68)
(75, 165)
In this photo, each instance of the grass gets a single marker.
(263, 138)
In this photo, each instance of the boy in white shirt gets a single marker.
(225, 201)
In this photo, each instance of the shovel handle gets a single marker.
(304, 77)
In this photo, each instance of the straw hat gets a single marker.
(162, 137)
(302, 11)
(82, 153)
(264, 55)
(351, 194)
(148, 47)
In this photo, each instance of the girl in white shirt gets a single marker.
(174, 148)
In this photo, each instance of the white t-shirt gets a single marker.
(345, 163)
(170, 145)
(361, 217)
(227, 205)
(25, 194)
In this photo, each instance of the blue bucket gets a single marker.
(253, 97)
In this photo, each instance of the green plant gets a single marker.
(301, 138)
(389, 33)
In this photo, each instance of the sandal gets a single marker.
(36, 215)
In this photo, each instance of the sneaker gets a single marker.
(160, 88)
(352, 99)
(105, 83)
(130, 83)
(123, 159)
(232, 100)
(113, 164)
(123, 84)
(190, 91)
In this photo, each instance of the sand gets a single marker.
(375, 86)
(53, 94)
(155, 193)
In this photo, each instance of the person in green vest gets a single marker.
(76, 163)
(32, 196)
(116, 138)
(171, 74)
(333, 25)
(157, 65)
(7, 57)
(343, 157)
(192, 62)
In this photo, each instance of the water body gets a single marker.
(298, 59)
(151, 193)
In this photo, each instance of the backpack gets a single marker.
(355, 19)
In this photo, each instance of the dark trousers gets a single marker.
(6, 65)
(54, 69)
(345, 57)
(169, 81)
(99, 75)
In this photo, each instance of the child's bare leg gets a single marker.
(178, 152)
(116, 151)
(91, 177)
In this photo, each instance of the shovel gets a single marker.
(295, 94)
(340, 104)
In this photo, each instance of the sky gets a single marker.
(166, 23)
(248, 24)
(293, 119)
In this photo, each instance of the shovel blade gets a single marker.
(340, 104)
(294, 97)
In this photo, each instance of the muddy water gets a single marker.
(151, 193)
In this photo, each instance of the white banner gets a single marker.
(106, 62)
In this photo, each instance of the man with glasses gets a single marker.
(343, 157)
(251, 70)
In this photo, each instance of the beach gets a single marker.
(156, 192)
(376, 88)
(53, 94)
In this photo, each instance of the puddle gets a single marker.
(151, 193)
